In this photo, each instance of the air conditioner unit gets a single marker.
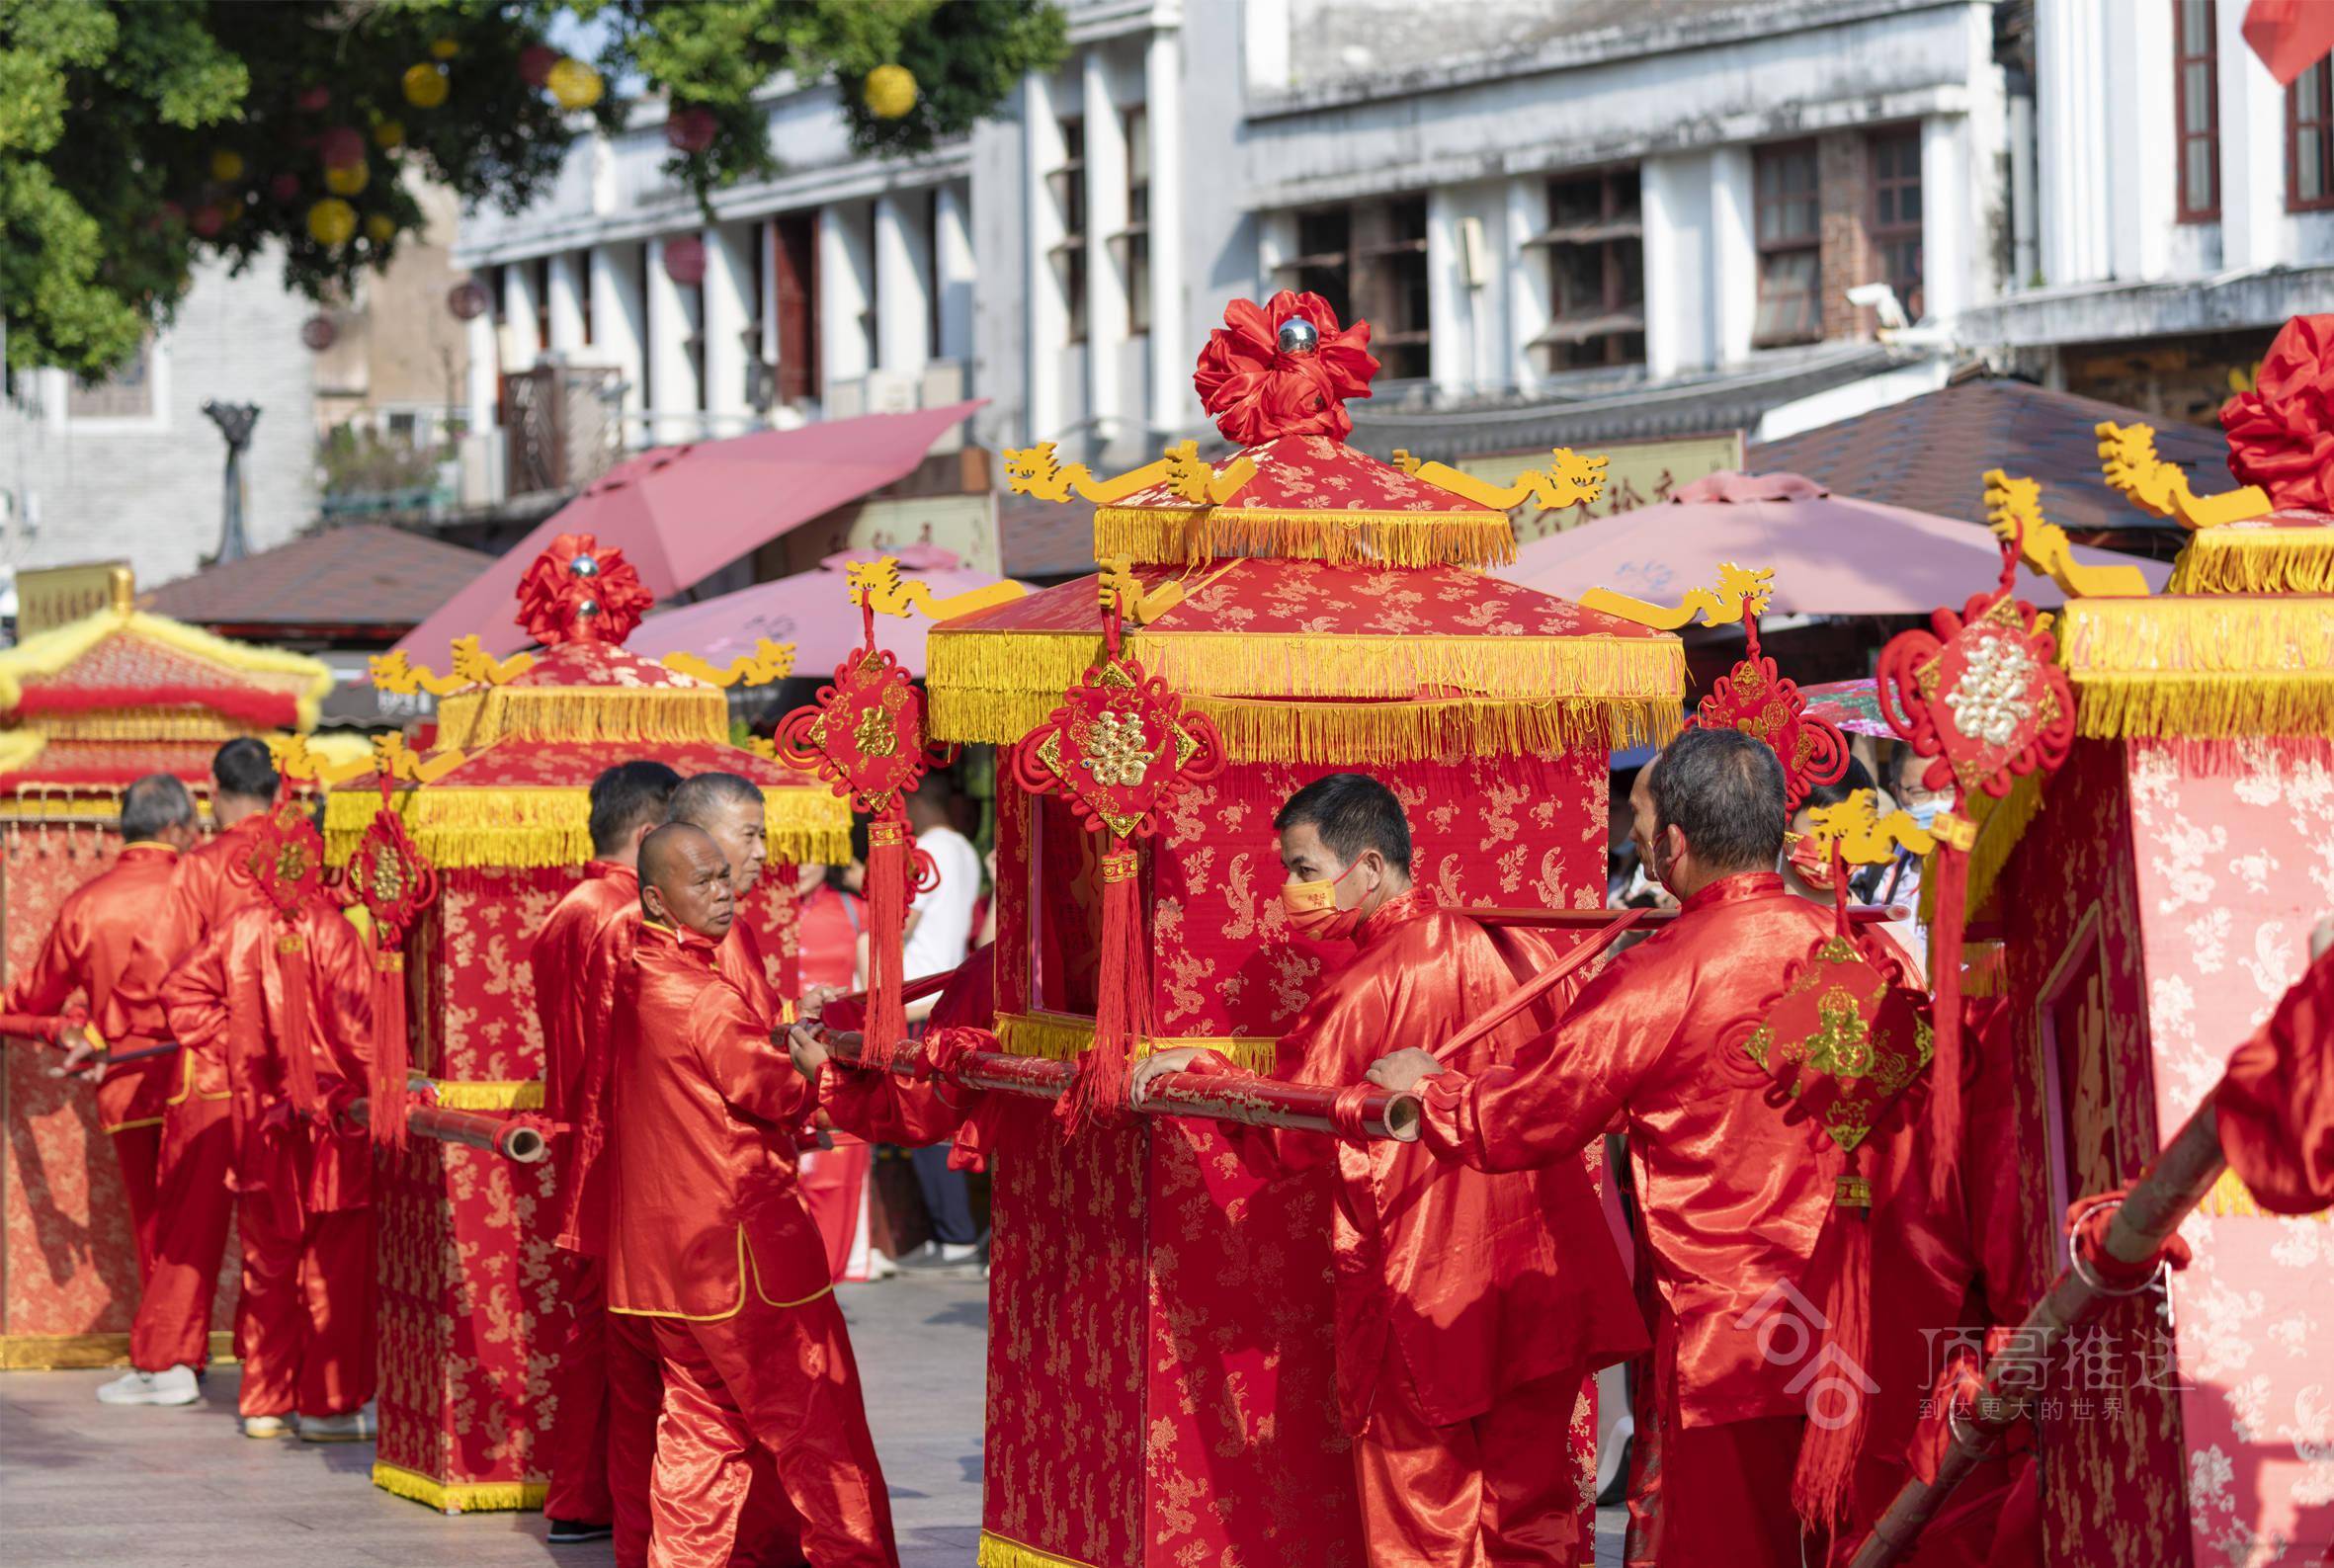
(893, 393)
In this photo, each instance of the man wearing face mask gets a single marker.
(1739, 1204)
(1469, 1307)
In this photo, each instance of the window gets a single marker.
(1069, 195)
(127, 393)
(2309, 139)
(794, 254)
(1789, 237)
(1137, 237)
(583, 288)
(1897, 214)
(1390, 282)
(1596, 264)
(498, 283)
(2195, 64)
(1323, 262)
(543, 303)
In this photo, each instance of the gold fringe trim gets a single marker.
(526, 827)
(43, 1352)
(486, 1094)
(1060, 1039)
(2230, 1195)
(2001, 823)
(2203, 667)
(51, 652)
(998, 1552)
(458, 1497)
(1257, 731)
(2251, 560)
(1193, 534)
(997, 686)
(17, 747)
(468, 720)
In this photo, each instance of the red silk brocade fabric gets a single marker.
(2276, 1102)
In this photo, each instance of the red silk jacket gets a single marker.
(2275, 1102)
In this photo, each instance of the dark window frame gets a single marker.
(2191, 210)
(1793, 244)
(1884, 236)
(2319, 125)
(1620, 345)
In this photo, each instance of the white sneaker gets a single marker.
(350, 1428)
(265, 1427)
(881, 1266)
(174, 1385)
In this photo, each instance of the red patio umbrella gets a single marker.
(680, 513)
(1832, 555)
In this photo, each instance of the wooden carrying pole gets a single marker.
(521, 1143)
(1217, 1097)
(2151, 1211)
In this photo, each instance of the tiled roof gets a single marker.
(1928, 453)
(363, 574)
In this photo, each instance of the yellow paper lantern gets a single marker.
(380, 227)
(347, 180)
(389, 134)
(425, 86)
(332, 221)
(890, 92)
(574, 84)
(444, 48)
(226, 167)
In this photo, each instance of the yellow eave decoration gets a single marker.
(770, 661)
(1570, 480)
(1034, 471)
(51, 653)
(297, 757)
(879, 583)
(1865, 837)
(2128, 460)
(2014, 506)
(514, 826)
(1740, 588)
(2206, 668)
(473, 666)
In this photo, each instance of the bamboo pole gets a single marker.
(2151, 1211)
(521, 1143)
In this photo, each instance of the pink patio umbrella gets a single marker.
(810, 610)
(680, 513)
(1832, 555)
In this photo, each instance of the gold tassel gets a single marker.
(1060, 1039)
(1191, 536)
(2212, 667)
(527, 827)
(681, 714)
(2256, 561)
(482, 1094)
(458, 1497)
(2001, 823)
(996, 1552)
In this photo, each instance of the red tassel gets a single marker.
(1122, 994)
(391, 1059)
(1839, 1404)
(888, 870)
(1945, 970)
(299, 1062)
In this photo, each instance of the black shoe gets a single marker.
(568, 1531)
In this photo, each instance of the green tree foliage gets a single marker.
(137, 137)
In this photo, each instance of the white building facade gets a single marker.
(1565, 218)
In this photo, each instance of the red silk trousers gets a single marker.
(768, 1387)
(1499, 1491)
(1725, 1495)
(306, 1319)
(193, 1209)
(138, 1151)
(578, 1450)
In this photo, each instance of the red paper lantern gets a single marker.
(284, 187)
(318, 333)
(207, 221)
(536, 63)
(685, 259)
(342, 147)
(467, 300)
(313, 100)
(690, 130)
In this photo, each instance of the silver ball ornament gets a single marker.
(588, 609)
(1299, 337)
(584, 566)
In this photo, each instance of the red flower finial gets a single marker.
(1283, 368)
(577, 591)
(2281, 435)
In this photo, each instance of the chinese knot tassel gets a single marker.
(1944, 968)
(1122, 1003)
(889, 868)
(1839, 1403)
(299, 1062)
(391, 1059)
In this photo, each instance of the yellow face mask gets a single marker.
(1312, 908)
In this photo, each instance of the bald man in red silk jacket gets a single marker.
(1470, 1308)
(286, 1003)
(712, 1251)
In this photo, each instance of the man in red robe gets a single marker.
(574, 991)
(711, 1252)
(1736, 1197)
(86, 953)
(1470, 1308)
(285, 1001)
(2275, 1102)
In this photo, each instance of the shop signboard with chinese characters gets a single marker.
(1638, 474)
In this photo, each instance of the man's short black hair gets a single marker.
(700, 798)
(243, 766)
(153, 803)
(1831, 795)
(628, 798)
(1352, 812)
(1724, 790)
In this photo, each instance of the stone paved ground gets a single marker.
(84, 1483)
